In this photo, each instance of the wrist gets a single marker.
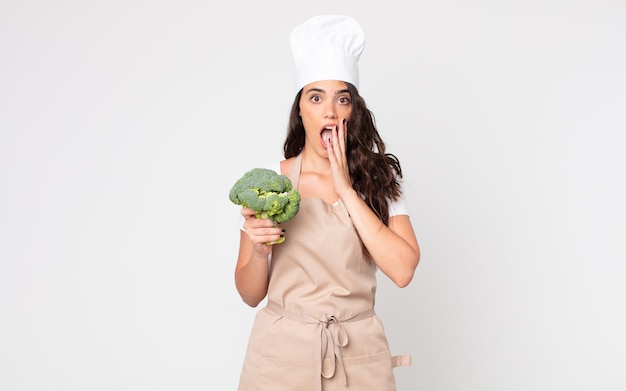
(349, 194)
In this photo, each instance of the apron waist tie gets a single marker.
(333, 337)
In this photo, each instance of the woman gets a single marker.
(319, 330)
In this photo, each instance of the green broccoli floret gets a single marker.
(268, 193)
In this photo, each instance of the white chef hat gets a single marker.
(327, 47)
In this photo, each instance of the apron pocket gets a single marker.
(285, 374)
(371, 372)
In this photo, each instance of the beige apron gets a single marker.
(319, 330)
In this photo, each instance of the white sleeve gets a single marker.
(399, 206)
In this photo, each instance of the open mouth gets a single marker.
(326, 134)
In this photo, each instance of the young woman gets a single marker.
(319, 330)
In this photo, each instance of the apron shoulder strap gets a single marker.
(294, 175)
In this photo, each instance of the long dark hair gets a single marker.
(374, 173)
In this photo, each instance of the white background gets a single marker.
(123, 125)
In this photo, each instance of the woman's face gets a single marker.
(323, 105)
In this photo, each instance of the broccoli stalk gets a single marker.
(269, 194)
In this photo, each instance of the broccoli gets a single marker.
(269, 194)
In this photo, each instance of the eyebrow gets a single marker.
(315, 89)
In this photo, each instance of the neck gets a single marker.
(315, 163)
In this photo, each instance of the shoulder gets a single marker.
(282, 167)
(279, 166)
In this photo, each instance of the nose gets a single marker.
(331, 112)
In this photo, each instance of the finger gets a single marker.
(266, 235)
(248, 213)
(343, 134)
(338, 146)
(255, 223)
(330, 147)
(340, 133)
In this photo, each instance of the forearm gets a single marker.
(395, 253)
(252, 281)
(251, 273)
